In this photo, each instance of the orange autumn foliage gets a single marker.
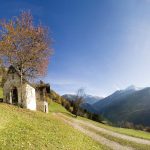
(25, 46)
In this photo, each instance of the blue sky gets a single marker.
(100, 45)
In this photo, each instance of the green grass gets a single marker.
(24, 129)
(124, 142)
(112, 138)
(1, 92)
(130, 132)
(55, 107)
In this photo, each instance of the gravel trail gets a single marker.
(77, 125)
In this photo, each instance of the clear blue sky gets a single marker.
(101, 45)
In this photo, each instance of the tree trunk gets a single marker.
(77, 112)
(21, 87)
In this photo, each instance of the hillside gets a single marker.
(36, 130)
(126, 105)
(89, 108)
(60, 130)
(129, 105)
(113, 138)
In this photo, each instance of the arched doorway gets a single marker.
(14, 96)
(45, 107)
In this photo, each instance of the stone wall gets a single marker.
(32, 99)
(28, 92)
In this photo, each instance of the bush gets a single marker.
(97, 117)
(126, 124)
(147, 129)
(139, 127)
(67, 106)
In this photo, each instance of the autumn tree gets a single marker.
(25, 46)
(79, 99)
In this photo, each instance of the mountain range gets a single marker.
(131, 104)
(87, 98)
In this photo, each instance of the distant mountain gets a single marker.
(70, 97)
(92, 99)
(131, 104)
(115, 97)
(89, 108)
(132, 87)
(87, 99)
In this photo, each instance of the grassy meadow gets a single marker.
(130, 132)
(24, 129)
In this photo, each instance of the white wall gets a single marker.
(30, 97)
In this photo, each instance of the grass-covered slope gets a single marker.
(55, 107)
(24, 129)
(125, 131)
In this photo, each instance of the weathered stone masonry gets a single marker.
(34, 98)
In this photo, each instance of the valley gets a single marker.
(123, 106)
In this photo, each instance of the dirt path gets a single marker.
(118, 135)
(76, 124)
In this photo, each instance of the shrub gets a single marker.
(147, 129)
